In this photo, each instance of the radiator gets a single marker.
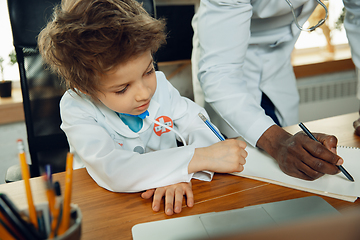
(327, 95)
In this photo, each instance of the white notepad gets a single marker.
(215, 224)
(261, 166)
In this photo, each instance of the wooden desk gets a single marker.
(11, 109)
(108, 215)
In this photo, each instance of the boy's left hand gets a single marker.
(173, 197)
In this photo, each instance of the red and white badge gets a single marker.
(160, 129)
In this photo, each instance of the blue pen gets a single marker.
(212, 128)
(48, 172)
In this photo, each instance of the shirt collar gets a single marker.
(113, 120)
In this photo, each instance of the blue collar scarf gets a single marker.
(134, 122)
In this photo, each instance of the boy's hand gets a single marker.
(173, 197)
(222, 157)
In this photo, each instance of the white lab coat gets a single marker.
(352, 26)
(241, 49)
(110, 150)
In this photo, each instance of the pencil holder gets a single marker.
(74, 230)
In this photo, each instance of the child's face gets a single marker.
(130, 87)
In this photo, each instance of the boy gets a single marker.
(121, 117)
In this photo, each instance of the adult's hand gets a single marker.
(356, 125)
(298, 155)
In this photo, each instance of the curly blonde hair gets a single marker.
(87, 38)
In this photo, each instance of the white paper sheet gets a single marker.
(260, 166)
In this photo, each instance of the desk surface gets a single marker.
(108, 215)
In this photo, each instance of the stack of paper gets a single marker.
(261, 166)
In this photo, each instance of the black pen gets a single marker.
(342, 169)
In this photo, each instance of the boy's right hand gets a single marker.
(222, 157)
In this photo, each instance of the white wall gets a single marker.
(11, 72)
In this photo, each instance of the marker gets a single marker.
(212, 128)
(310, 135)
(26, 176)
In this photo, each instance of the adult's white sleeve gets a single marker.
(224, 32)
(352, 26)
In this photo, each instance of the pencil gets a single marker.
(67, 196)
(50, 194)
(26, 177)
(5, 232)
(57, 212)
(310, 135)
(212, 128)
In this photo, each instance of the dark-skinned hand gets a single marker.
(356, 125)
(299, 156)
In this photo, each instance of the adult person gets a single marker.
(241, 57)
(351, 23)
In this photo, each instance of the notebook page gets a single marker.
(260, 166)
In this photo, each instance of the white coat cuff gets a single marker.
(203, 176)
(257, 130)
